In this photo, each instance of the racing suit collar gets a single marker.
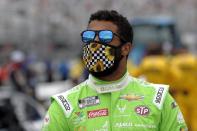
(105, 86)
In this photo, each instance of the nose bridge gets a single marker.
(96, 37)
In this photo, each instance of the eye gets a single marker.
(88, 36)
(105, 36)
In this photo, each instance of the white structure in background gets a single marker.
(45, 90)
(36, 23)
(190, 39)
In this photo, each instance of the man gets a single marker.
(110, 99)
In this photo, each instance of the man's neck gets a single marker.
(102, 86)
(119, 73)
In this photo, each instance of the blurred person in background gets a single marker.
(22, 74)
(110, 99)
(4, 74)
(17, 74)
(78, 72)
(31, 74)
(63, 70)
(49, 71)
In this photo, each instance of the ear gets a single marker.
(126, 49)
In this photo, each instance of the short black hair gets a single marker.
(124, 28)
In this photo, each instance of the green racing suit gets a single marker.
(128, 104)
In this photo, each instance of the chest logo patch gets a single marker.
(89, 101)
(180, 118)
(131, 97)
(46, 119)
(121, 108)
(97, 113)
(80, 128)
(142, 110)
(79, 117)
(174, 105)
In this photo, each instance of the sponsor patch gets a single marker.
(183, 129)
(121, 108)
(78, 117)
(132, 97)
(64, 102)
(123, 124)
(97, 113)
(145, 125)
(104, 127)
(142, 110)
(80, 128)
(180, 118)
(159, 95)
(89, 101)
(46, 119)
(173, 105)
(109, 88)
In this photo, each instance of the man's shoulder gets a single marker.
(73, 91)
(157, 92)
(67, 100)
(148, 86)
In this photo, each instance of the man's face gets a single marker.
(102, 58)
(105, 25)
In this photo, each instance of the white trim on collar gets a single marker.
(111, 87)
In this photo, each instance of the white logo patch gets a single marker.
(46, 119)
(121, 109)
(89, 101)
(104, 127)
(64, 103)
(180, 118)
(123, 124)
(161, 91)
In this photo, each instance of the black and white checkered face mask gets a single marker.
(100, 59)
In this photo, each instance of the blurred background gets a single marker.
(40, 52)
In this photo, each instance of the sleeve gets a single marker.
(55, 119)
(171, 116)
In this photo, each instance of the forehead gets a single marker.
(102, 25)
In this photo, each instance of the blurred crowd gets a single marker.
(179, 71)
(26, 84)
(24, 72)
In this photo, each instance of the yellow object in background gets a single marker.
(185, 66)
(77, 69)
(132, 69)
(154, 69)
(180, 72)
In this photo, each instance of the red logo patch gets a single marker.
(142, 110)
(46, 120)
(98, 113)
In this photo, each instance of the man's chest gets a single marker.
(133, 112)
